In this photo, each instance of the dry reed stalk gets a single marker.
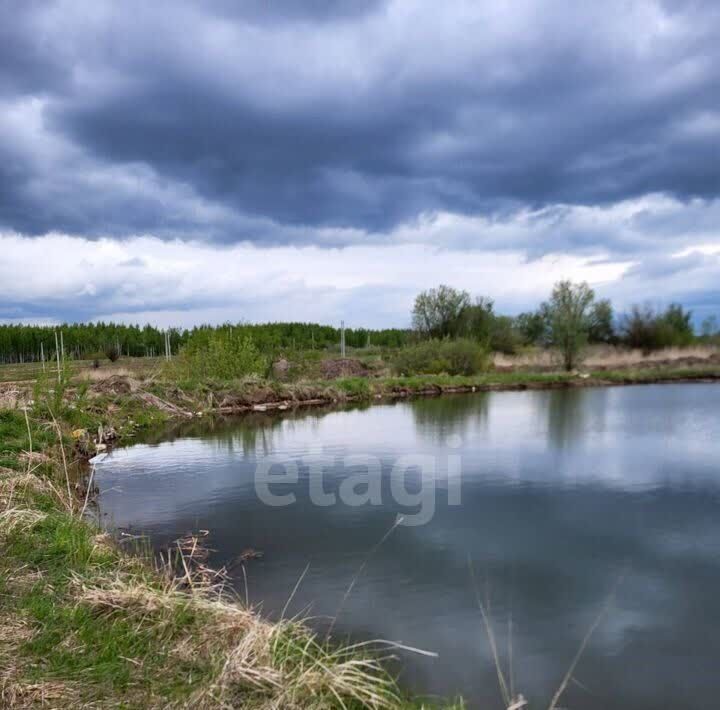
(369, 555)
(70, 505)
(87, 492)
(504, 690)
(581, 649)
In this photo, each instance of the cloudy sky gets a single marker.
(184, 161)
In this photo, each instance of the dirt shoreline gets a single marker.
(436, 390)
(118, 400)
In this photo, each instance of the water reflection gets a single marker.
(562, 491)
(565, 416)
(454, 415)
(252, 433)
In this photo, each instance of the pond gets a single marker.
(557, 509)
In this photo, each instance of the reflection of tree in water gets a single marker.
(565, 416)
(437, 418)
(572, 412)
(253, 432)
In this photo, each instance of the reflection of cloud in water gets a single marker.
(561, 490)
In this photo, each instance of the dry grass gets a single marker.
(136, 366)
(19, 519)
(99, 375)
(610, 357)
(13, 692)
(47, 694)
(12, 396)
(16, 486)
(13, 629)
(258, 664)
(606, 357)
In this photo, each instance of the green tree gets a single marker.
(475, 320)
(709, 326)
(649, 329)
(438, 311)
(568, 315)
(601, 322)
(532, 327)
(639, 329)
(680, 320)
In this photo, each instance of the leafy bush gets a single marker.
(222, 354)
(455, 357)
(504, 337)
(465, 357)
(647, 329)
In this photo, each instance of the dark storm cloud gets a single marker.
(291, 10)
(663, 267)
(28, 62)
(267, 120)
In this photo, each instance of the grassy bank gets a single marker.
(218, 397)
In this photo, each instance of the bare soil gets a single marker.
(343, 367)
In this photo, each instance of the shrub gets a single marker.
(112, 352)
(504, 337)
(647, 329)
(222, 354)
(419, 358)
(455, 357)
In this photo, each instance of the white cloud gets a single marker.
(185, 283)
(655, 247)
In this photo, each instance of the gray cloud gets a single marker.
(321, 11)
(270, 121)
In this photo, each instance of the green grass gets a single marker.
(115, 654)
(77, 645)
(14, 438)
(102, 654)
(354, 386)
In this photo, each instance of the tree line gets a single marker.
(87, 341)
(570, 318)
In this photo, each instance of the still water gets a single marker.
(564, 496)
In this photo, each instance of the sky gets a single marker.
(188, 161)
